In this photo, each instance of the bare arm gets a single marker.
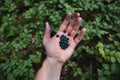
(60, 49)
(50, 70)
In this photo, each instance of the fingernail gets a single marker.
(84, 29)
(76, 15)
(69, 16)
(46, 23)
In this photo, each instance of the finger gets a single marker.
(73, 23)
(47, 32)
(65, 22)
(76, 27)
(80, 36)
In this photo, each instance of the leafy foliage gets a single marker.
(97, 57)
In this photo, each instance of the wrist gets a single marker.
(50, 70)
(51, 61)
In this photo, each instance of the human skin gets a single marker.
(56, 57)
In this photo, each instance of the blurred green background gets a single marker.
(22, 24)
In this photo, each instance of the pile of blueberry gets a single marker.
(64, 42)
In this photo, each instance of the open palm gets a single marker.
(68, 29)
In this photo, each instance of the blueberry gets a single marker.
(69, 34)
(67, 38)
(57, 35)
(67, 45)
(64, 31)
(64, 42)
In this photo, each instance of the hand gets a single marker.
(67, 29)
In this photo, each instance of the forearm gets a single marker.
(50, 70)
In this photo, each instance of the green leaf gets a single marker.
(113, 60)
(100, 72)
(107, 72)
(118, 59)
(102, 78)
(106, 66)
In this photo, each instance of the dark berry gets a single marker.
(64, 42)
(69, 34)
(57, 35)
(64, 31)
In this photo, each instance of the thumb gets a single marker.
(47, 32)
